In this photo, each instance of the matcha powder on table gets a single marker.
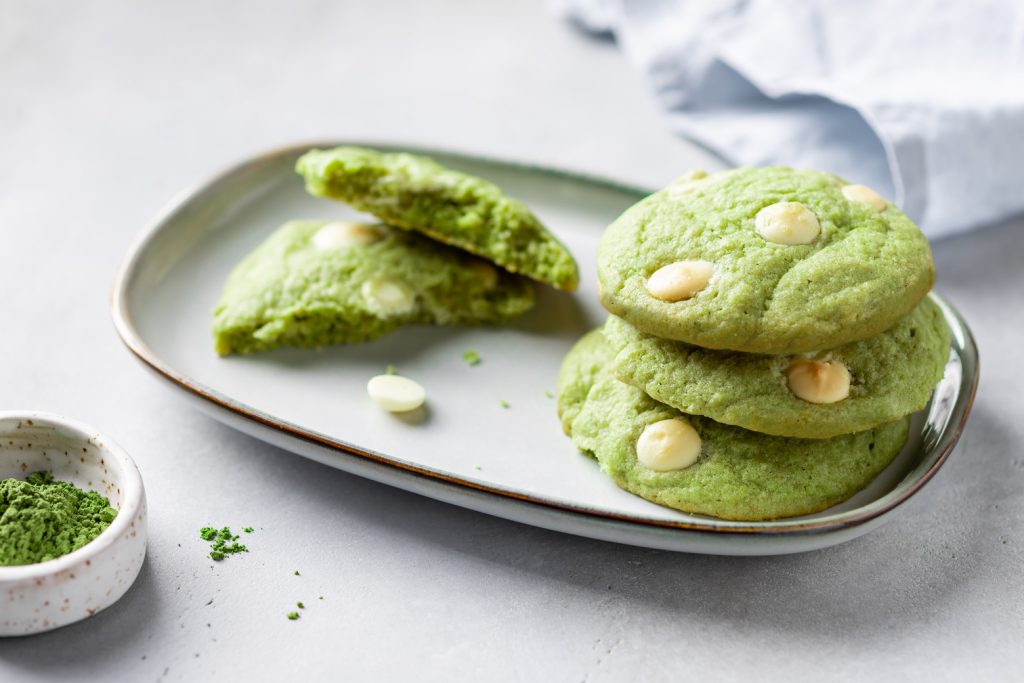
(41, 519)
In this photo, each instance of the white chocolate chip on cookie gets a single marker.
(787, 223)
(395, 393)
(342, 234)
(865, 195)
(387, 297)
(686, 183)
(671, 444)
(680, 280)
(818, 381)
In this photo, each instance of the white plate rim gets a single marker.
(963, 344)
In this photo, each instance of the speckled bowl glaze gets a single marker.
(44, 596)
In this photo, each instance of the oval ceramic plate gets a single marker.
(490, 439)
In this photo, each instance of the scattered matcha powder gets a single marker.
(223, 542)
(41, 518)
(297, 573)
(247, 529)
(293, 615)
(300, 605)
(471, 357)
(503, 404)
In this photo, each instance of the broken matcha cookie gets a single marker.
(417, 193)
(316, 283)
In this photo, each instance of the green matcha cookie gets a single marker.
(417, 193)
(588, 357)
(890, 375)
(763, 260)
(313, 283)
(736, 474)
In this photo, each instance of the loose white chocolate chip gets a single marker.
(865, 195)
(395, 393)
(818, 381)
(671, 444)
(486, 272)
(787, 223)
(387, 298)
(680, 280)
(342, 235)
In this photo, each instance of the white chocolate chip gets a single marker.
(387, 297)
(395, 393)
(686, 183)
(865, 195)
(818, 381)
(671, 444)
(787, 223)
(342, 235)
(486, 271)
(680, 280)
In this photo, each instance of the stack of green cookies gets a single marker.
(769, 338)
(450, 249)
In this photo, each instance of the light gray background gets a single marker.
(108, 109)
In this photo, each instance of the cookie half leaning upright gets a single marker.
(416, 193)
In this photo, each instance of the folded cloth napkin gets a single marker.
(922, 100)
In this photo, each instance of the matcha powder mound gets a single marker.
(41, 519)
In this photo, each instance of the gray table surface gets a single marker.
(108, 109)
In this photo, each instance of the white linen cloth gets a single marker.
(922, 100)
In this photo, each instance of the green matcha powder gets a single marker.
(41, 519)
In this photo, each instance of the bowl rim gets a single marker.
(129, 479)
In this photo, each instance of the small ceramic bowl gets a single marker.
(44, 596)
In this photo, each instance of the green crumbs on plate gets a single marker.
(223, 542)
(247, 529)
(293, 615)
(300, 605)
(503, 404)
(42, 519)
(391, 370)
(471, 357)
